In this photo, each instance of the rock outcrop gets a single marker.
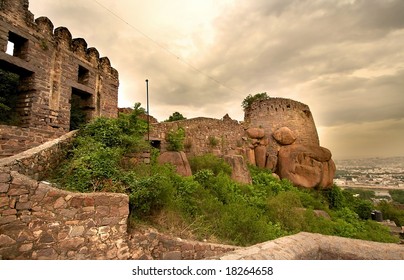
(306, 166)
(240, 171)
(179, 160)
(284, 136)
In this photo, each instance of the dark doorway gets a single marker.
(80, 110)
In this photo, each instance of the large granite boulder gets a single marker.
(255, 133)
(179, 160)
(284, 136)
(240, 172)
(306, 166)
(260, 156)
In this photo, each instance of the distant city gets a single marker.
(375, 173)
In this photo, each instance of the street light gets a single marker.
(148, 113)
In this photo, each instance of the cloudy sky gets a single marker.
(345, 59)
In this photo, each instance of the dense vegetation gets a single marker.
(209, 205)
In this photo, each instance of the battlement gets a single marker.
(62, 82)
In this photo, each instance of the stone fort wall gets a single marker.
(56, 74)
(204, 135)
(275, 113)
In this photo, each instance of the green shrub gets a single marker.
(287, 210)
(241, 224)
(175, 139)
(213, 141)
(210, 162)
(335, 198)
(392, 212)
(364, 209)
(397, 195)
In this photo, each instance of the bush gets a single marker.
(250, 99)
(175, 139)
(335, 198)
(287, 210)
(391, 212)
(210, 162)
(241, 224)
(364, 209)
(397, 195)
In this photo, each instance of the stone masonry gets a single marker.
(57, 73)
(38, 221)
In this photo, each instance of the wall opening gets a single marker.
(156, 144)
(17, 45)
(80, 109)
(83, 75)
(15, 98)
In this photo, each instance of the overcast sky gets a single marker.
(345, 59)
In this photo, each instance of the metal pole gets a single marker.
(148, 113)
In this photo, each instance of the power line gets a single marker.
(164, 48)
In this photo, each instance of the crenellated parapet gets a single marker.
(63, 81)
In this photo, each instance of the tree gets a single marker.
(176, 117)
(250, 99)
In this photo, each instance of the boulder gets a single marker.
(240, 172)
(251, 156)
(179, 160)
(284, 136)
(306, 166)
(260, 156)
(256, 133)
(271, 163)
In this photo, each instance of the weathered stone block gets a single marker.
(60, 203)
(5, 177)
(46, 238)
(4, 201)
(76, 231)
(6, 240)
(174, 255)
(17, 190)
(23, 205)
(26, 247)
(46, 254)
(7, 219)
(102, 210)
(4, 187)
(71, 243)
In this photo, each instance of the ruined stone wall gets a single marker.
(56, 71)
(38, 221)
(39, 161)
(16, 139)
(151, 245)
(275, 113)
(204, 135)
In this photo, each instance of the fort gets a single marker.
(60, 78)
(62, 82)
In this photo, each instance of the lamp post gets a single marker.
(148, 113)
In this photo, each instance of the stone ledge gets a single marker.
(312, 246)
